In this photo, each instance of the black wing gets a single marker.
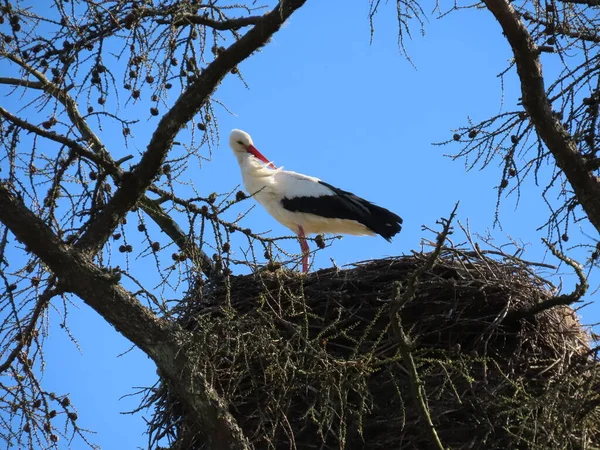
(345, 205)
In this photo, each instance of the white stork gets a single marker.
(306, 204)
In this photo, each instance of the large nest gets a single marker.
(312, 361)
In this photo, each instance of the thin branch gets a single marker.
(404, 341)
(184, 109)
(580, 290)
(564, 30)
(87, 134)
(170, 227)
(161, 341)
(101, 157)
(410, 290)
(20, 82)
(583, 285)
(229, 24)
(560, 143)
(41, 305)
(73, 265)
(51, 135)
(582, 2)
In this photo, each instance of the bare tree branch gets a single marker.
(580, 290)
(25, 334)
(20, 82)
(560, 143)
(184, 109)
(560, 29)
(404, 340)
(51, 135)
(172, 229)
(73, 265)
(100, 157)
(76, 273)
(583, 2)
(229, 24)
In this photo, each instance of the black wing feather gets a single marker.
(346, 205)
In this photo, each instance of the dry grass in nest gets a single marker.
(311, 362)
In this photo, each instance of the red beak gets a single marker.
(253, 151)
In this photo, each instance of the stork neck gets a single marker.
(249, 163)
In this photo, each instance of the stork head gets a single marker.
(241, 143)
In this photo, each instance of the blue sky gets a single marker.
(324, 101)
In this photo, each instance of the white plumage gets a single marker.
(306, 204)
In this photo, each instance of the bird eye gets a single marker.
(241, 143)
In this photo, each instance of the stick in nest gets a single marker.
(404, 340)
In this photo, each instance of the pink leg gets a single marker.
(305, 248)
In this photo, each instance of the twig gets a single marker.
(564, 299)
(99, 156)
(51, 135)
(172, 229)
(42, 303)
(158, 338)
(404, 341)
(229, 24)
(548, 126)
(583, 2)
(187, 105)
